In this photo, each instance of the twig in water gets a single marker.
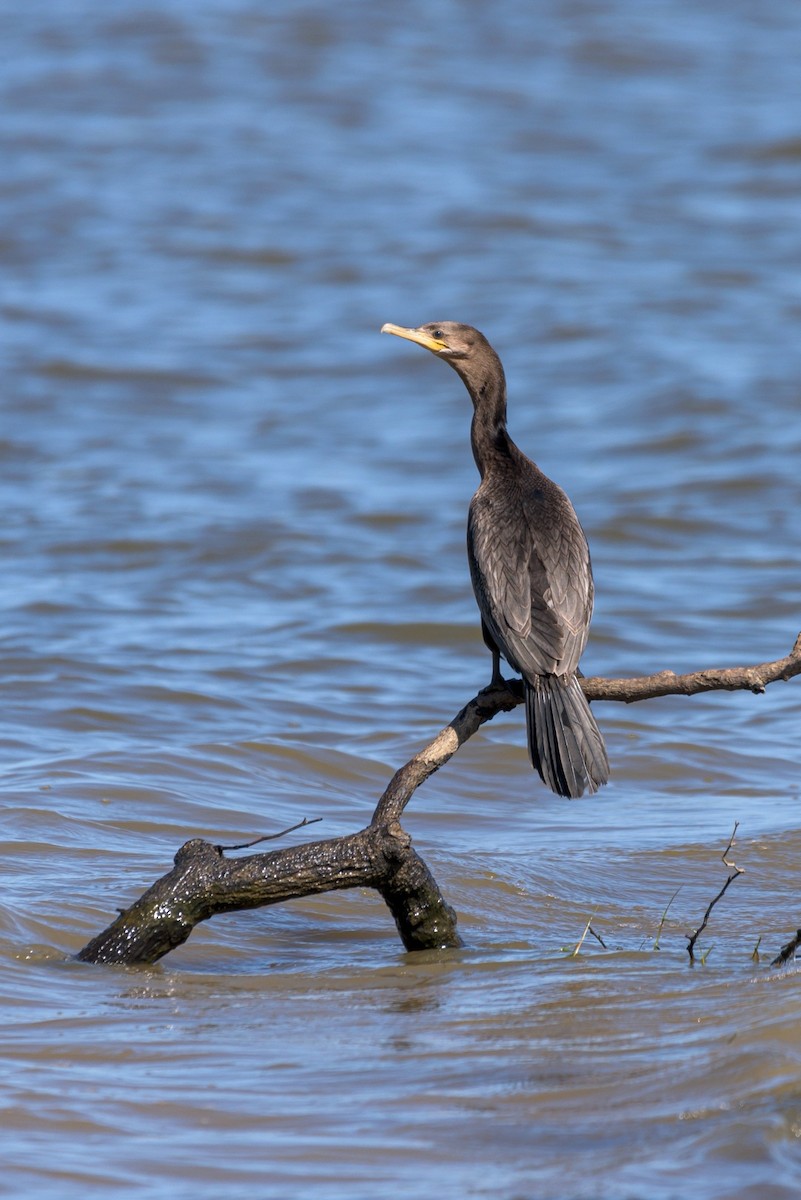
(735, 871)
(787, 951)
(587, 929)
(597, 937)
(664, 915)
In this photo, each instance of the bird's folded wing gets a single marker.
(533, 586)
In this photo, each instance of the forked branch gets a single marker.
(204, 883)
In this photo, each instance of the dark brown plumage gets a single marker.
(531, 572)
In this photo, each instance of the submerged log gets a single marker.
(204, 883)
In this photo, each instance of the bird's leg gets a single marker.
(497, 678)
(489, 642)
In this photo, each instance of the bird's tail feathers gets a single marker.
(564, 742)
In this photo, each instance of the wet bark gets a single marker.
(203, 882)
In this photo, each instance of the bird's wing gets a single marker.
(531, 575)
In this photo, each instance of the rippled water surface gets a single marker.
(234, 590)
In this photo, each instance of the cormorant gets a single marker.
(530, 567)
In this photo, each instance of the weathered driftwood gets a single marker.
(204, 882)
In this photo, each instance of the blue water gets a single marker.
(235, 591)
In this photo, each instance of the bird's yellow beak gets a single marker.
(417, 335)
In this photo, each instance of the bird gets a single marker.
(530, 569)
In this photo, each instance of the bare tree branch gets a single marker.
(665, 683)
(493, 700)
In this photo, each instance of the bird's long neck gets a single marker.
(488, 436)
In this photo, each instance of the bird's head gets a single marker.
(446, 339)
(467, 351)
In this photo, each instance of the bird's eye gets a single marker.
(437, 333)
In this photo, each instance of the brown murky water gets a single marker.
(234, 589)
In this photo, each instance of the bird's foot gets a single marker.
(497, 683)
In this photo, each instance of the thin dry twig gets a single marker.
(735, 871)
(587, 929)
(597, 937)
(664, 916)
(270, 837)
